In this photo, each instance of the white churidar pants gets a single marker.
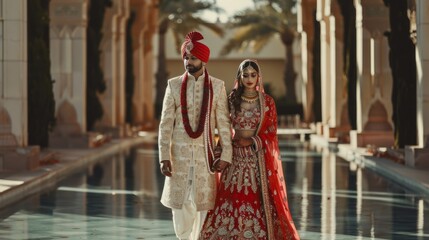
(188, 221)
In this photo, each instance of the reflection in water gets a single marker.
(358, 171)
(328, 223)
(145, 169)
(331, 198)
(118, 198)
(304, 205)
(420, 218)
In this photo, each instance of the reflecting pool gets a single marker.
(118, 198)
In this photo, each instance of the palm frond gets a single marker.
(261, 42)
(255, 26)
(284, 5)
(214, 27)
(265, 15)
(182, 17)
(254, 36)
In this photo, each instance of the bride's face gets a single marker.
(249, 78)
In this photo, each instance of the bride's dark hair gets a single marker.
(234, 97)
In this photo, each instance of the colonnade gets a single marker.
(68, 23)
(326, 43)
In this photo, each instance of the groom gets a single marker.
(194, 104)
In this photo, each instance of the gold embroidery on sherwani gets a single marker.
(175, 145)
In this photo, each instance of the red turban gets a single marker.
(192, 46)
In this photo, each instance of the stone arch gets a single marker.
(7, 139)
(65, 31)
(67, 119)
(377, 118)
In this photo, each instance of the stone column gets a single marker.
(147, 75)
(333, 101)
(325, 60)
(359, 62)
(120, 37)
(305, 29)
(13, 73)
(143, 30)
(340, 125)
(113, 63)
(68, 23)
(108, 54)
(374, 125)
(419, 155)
(423, 73)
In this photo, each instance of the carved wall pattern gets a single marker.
(7, 139)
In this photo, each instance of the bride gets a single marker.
(251, 202)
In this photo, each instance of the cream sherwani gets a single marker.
(186, 153)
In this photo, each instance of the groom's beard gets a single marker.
(193, 69)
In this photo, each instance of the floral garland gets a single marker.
(184, 106)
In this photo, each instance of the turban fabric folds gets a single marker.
(194, 47)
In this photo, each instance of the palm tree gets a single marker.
(255, 27)
(182, 17)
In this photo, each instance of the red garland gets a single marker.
(184, 106)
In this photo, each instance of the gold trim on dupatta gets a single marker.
(264, 178)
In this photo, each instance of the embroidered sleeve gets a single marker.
(223, 125)
(166, 124)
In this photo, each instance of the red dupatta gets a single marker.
(272, 179)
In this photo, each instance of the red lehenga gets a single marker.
(251, 202)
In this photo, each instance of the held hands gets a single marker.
(166, 168)
(220, 166)
(237, 142)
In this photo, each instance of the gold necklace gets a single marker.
(250, 94)
(249, 100)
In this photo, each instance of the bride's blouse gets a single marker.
(245, 122)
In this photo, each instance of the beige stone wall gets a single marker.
(143, 32)
(422, 21)
(305, 28)
(375, 74)
(68, 22)
(113, 51)
(13, 73)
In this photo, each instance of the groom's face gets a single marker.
(192, 64)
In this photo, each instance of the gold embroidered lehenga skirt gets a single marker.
(239, 212)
